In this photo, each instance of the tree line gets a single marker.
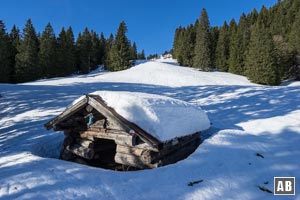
(29, 55)
(264, 45)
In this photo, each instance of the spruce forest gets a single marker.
(29, 56)
(264, 45)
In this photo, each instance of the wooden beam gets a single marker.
(177, 143)
(145, 155)
(133, 161)
(179, 154)
(67, 113)
(118, 136)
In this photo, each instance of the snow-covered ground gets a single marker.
(256, 136)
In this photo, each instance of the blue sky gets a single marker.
(151, 24)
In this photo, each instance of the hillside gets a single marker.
(254, 137)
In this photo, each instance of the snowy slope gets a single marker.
(156, 73)
(248, 120)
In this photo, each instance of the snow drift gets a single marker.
(252, 118)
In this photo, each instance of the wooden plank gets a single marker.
(171, 145)
(67, 113)
(179, 154)
(99, 124)
(145, 155)
(133, 161)
(143, 146)
(85, 143)
(81, 151)
(118, 136)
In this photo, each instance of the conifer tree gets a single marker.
(84, 50)
(178, 45)
(261, 61)
(102, 43)
(202, 56)
(108, 45)
(232, 28)
(294, 36)
(214, 35)
(27, 57)
(133, 55)
(15, 41)
(48, 53)
(222, 49)
(66, 52)
(294, 44)
(141, 56)
(252, 17)
(238, 46)
(95, 54)
(119, 54)
(188, 46)
(5, 55)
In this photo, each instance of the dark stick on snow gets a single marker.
(259, 155)
(194, 182)
(262, 188)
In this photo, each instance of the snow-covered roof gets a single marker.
(162, 117)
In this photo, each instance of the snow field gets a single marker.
(247, 120)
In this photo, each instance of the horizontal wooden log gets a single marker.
(118, 136)
(81, 151)
(67, 113)
(133, 161)
(178, 143)
(179, 154)
(145, 155)
(74, 121)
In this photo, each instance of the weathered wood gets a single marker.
(178, 143)
(89, 108)
(179, 154)
(145, 155)
(81, 151)
(99, 124)
(133, 161)
(85, 143)
(118, 136)
(113, 121)
(67, 113)
(75, 121)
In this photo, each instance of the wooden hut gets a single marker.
(95, 134)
